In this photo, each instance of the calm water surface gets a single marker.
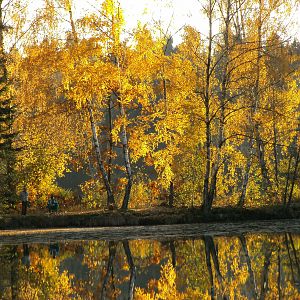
(258, 261)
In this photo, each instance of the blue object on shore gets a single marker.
(52, 204)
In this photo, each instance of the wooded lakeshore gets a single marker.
(211, 121)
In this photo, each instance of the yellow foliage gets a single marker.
(166, 286)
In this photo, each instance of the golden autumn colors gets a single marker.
(210, 121)
(256, 266)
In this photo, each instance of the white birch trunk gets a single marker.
(206, 198)
(110, 196)
(124, 142)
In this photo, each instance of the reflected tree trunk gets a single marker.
(210, 273)
(113, 278)
(14, 273)
(210, 251)
(112, 253)
(295, 255)
(279, 275)
(173, 253)
(289, 256)
(249, 266)
(132, 269)
(265, 274)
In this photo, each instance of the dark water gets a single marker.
(258, 260)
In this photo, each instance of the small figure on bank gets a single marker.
(52, 204)
(24, 199)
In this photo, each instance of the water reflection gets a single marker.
(26, 256)
(54, 250)
(254, 266)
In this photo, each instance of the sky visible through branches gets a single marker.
(169, 15)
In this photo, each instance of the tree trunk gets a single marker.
(74, 32)
(275, 142)
(206, 196)
(171, 185)
(242, 26)
(213, 183)
(210, 188)
(255, 134)
(259, 142)
(287, 181)
(294, 178)
(222, 98)
(110, 121)
(171, 194)
(110, 196)
(124, 142)
(261, 157)
(7, 117)
(207, 204)
(246, 175)
(165, 95)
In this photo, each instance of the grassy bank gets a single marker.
(154, 216)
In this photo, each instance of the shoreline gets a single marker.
(147, 217)
(163, 233)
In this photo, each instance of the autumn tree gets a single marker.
(11, 26)
(209, 119)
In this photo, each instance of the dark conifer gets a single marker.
(7, 135)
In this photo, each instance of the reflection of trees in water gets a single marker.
(210, 252)
(9, 272)
(293, 258)
(265, 271)
(40, 278)
(132, 269)
(109, 269)
(173, 253)
(252, 266)
(252, 281)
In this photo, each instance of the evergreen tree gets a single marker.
(7, 112)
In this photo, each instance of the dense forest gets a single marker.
(211, 120)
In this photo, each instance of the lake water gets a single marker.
(258, 260)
